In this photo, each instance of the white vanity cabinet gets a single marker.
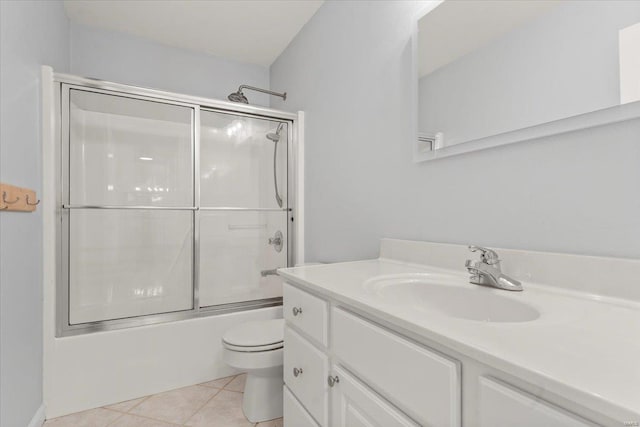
(377, 377)
(343, 369)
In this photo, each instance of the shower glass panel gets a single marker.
(234, 250)
(242, 162)
(237, 161)
(129, 152)
(129, 263)
(129, 195)
(168, 209)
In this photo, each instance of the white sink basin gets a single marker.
(450, 296)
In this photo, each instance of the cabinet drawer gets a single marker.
(424, 384)
(294, 413)
(306, 312)
(305, 373)
(504, 406)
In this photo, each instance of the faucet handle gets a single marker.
(487, 255)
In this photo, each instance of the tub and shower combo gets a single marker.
(167, 218)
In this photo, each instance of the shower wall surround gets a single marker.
(572, 193)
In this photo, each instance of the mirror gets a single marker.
(490, 67)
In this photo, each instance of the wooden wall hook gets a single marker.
(17, 199)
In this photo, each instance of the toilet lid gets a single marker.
(259, 335)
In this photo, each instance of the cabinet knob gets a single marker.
(333, 380)
(297, 310)
(297, 372)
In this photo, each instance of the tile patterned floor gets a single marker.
(216, 403)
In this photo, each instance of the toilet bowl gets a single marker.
(256, 347)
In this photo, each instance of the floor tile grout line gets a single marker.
(226, 389)
(144, 399)
(172, 424)
(159, 419)
(130, 409)
(232, 391)
(122, 414)
(201, 407)
(233, 377)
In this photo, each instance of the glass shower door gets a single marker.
(129, 207)
(243, 208)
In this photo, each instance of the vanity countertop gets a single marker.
(583, 347)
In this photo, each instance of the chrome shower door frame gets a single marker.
(63, 84)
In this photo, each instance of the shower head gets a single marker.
(275, 137)
(238, 97)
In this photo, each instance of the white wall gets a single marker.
(351, 70)
(32, 33)
(127, 59)
(561, 64)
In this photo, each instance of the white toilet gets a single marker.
(256, 347)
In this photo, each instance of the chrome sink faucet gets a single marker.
(487, 271)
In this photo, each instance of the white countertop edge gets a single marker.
(583, 398)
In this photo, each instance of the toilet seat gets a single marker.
(253, 349)
(252, 337)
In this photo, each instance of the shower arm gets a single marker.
(257, 89)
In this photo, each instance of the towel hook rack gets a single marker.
(4, 199)
(32, 204)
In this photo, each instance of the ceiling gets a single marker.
(250, 31)
(455, 27)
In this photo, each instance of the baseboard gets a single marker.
(38, 417)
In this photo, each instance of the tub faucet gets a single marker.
(487, 271)
(265, 273)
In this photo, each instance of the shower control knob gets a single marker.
(297, 310)
(277, 241)
(333, 380)
(297, 372)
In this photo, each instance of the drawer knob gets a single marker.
(297, 310)
(333, 380)
(297, 372)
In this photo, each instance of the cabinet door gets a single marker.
(354, 405)
(294, 413)
(504, 406)
(423, 383)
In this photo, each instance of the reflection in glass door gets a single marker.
(243, 208)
